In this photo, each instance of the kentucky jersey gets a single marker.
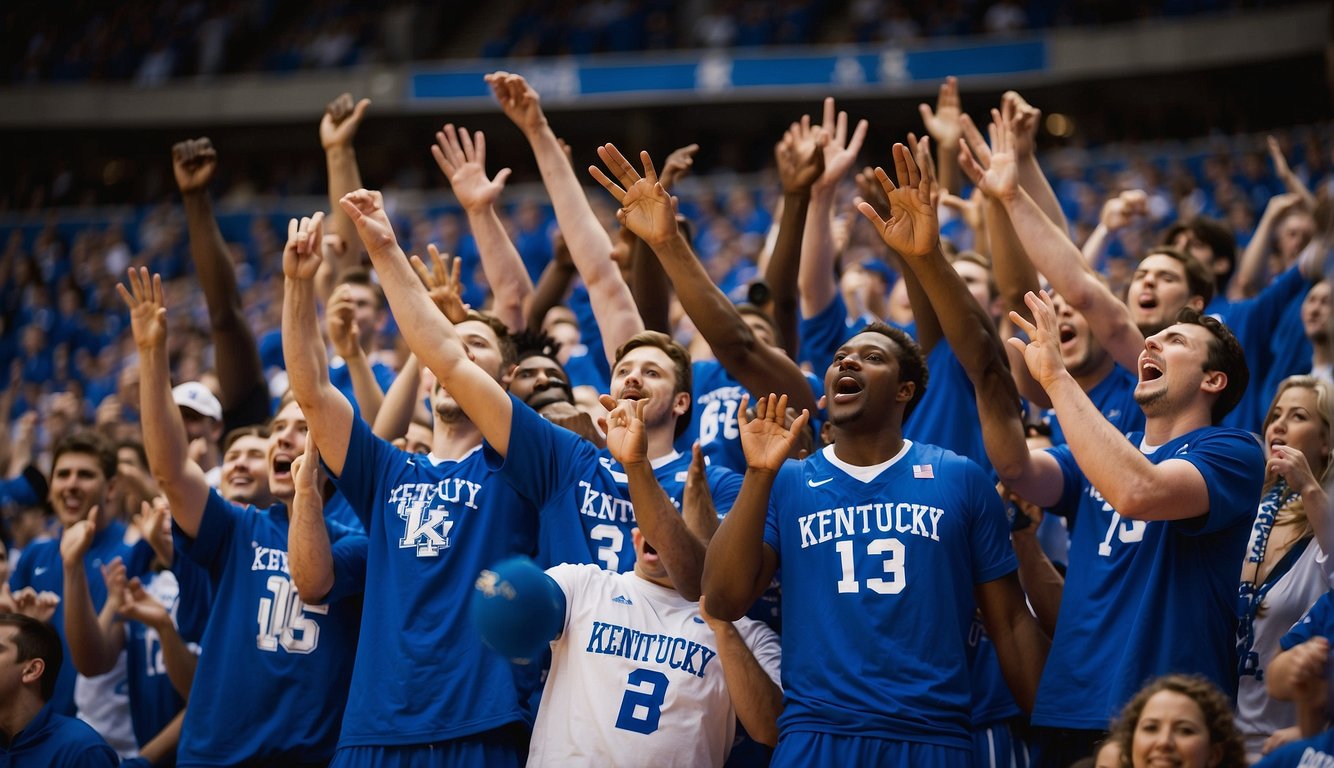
(583, 494)
(274, 672)
(889, 553)
(424, 675)
(1145, 598)
(635, 677)
(1114, 397)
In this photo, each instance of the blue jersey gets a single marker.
(40, 567)
(341, 378)
(423, 675)
(992, 700)
(1315, 752)
(947, 413)
(825, 331)
(275, 669)
(1318, 622)
(1143, 598)
(1255, 322)
(882, 552)
(1291, 352)
(713, 415)
(1114, 397)
(55, 741)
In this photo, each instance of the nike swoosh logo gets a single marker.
(38, 571)
(814, 484)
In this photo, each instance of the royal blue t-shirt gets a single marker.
(824, 332)
(56, 741)
(1114, 397)
(1147, 598)
(1315, 752)
(947, 414)
(881, 559)
(433, 525)
(274, 670)
(41, 568)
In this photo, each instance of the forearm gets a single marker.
(1311, 719)
(365, 387)
(1096, 245)
(503, 267)
(1015, 274)
(759, 368)
(927, 322)
(784, 268)
(178, 658)
(682, 554)
(734, 565)
(344, 177)
(90, 651)
(815, 275)
(161, 749)
(1022, 650)
(399, 402)
(303, 344)
(757, 699)
(166, 443)
(308, 547)
(650, 288)
(1042, 583)
(1033, 181)
(1250, 275)
(549, 292)
(966, 325)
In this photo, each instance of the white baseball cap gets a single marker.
(197, 398)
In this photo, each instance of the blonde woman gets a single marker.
(1286, 567)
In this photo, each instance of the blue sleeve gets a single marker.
(196, 598)
(21, 576)
(989, 533)
(1072, 482)
(350, 550)
(365, 454)
(724, 485)
(783, 481)
(213, 540)
(822, 333)
(1232, 464)
(1256, 317)
(384, 376)
(17, 490)
(1316, 623)
(542, 458)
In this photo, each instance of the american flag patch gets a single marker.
(923, 472)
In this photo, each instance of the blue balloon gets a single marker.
(517, 608)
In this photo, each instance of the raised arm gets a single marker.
(138, 605)
(1251, 275)
(427, 331)
(243, 390)
(1291, 181)
(756, 697)
(340, 318)
(165, 440)
(800, 159)
(1043, 584)
(462, 159)
(1024, 118)
(648, 281)
(400, 402)
(1118, 212)
(553, 284)
(739, 565)
(1136, 488)
(942, 124)
(92, 651)
(308, 548)
(647, 210)
(682, 553)
(1052, 251)
(338, 128)
(590, 246)
(816, 274)
(328, 413)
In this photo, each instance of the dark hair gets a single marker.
(508, 353)
(912, 364)
(679, 356)
(754, 311)
(535, 343)
(1213, 704)
(1198, 280)
(37, 640)
(90, 444)
(359, 276)
(1226, 355)
(134, 445)
(252, 430)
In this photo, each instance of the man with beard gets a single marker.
(264, 644)
(877, 537)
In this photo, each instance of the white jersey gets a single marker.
(635, 677)
(104, 703)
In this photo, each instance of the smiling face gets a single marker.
(287, 440)
(1171, 731)
(77, 485)
(245, 471)
(1158, 291)
(1171, 368)
(648, 371)
(1295, 420)
(863, 380)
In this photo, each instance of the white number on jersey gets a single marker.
(1127, 532)
(711, 421)
(283, 620)
(641, 707)
(610, 554)
(891, 564)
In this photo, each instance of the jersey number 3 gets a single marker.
(642, 705)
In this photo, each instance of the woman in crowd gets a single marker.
(1181, 720)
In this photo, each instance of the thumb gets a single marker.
(360, 110)
(501, 175)
(94, 516)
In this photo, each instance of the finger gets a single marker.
(1021, 322)
(421, 270)
(640, 405)
(607, 184)
(456, 273)
(158, 295)
(827, 121)
(441, 161)
(778, 413)
(616, 162)
(858, 136)
(469, 149)
(650, 172)
(870, 213)
(439, 262)
(799, 423)
(970, 166)
(741, 411)
(886, 183)
(926, 112)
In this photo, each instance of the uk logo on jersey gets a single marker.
(426, 520)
